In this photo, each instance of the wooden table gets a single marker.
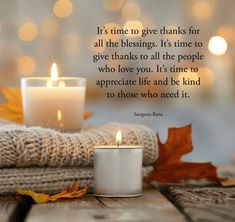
(164, 204)
(185, 203)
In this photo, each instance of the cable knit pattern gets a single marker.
(48, 180)
(22, 146)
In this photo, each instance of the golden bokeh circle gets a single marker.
(131, 11)
(26, 65)
(112, 5)
(28, 31)
(63, 8)
(217, 45)
(206, 75)
(202, 10)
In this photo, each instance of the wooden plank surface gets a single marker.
(211, 204)
(152, 206)
(63, 211)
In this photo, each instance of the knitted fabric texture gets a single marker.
(22, 146)
(47, 180)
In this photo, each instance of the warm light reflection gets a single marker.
(202, 10)
(112, 5)
(131, 11)
(63, 8)
(217, 45)
(228, 32)
(61, 84)
(71, 43)
(133, 24)
(118, 137)
(49, 28)
(207, 76)
(28, 31)
(59, 115)
(26, 65)
(54, 72)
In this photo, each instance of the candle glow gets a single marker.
(118, 137)
(54, 72)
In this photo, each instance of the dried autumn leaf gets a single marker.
(72, 192)
(12, 109)
(169, 168)
(227, 182)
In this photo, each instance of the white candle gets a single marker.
(54, 102)
(118, 170)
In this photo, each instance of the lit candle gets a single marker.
(56, 102)
(118, 170)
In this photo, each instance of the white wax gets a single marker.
(118, 171)
(54, 107)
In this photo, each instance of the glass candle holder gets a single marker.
(56, 104)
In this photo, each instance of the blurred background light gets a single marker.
(26, 65)
(71, 43)
(217, 45)
(202, 10)
(207, 76)
(131, 11)
(28, 31)
(112, 5)
(49, 28)
(133, 24)
(227, 32)
(63, 8)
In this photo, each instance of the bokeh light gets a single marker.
(207, 76)
(202, 10)
(28, 31)
(133, 24)
(147, 21)
(131, 11)
(217, 45)
(63, 8)
(112, 5)
(26, 65)
(49, 28)
(111, 26)
(71, 43)
(227, 32)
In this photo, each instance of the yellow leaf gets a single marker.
(72, 192)
(12, 109)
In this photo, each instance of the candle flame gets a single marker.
(118, 137)
(59, 115)
(54, 72)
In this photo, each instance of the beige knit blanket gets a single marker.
(22, 146)
(47, 180)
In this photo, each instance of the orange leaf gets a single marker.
(227, 182)
(169, 168)
(12, 108)
(72, 192)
